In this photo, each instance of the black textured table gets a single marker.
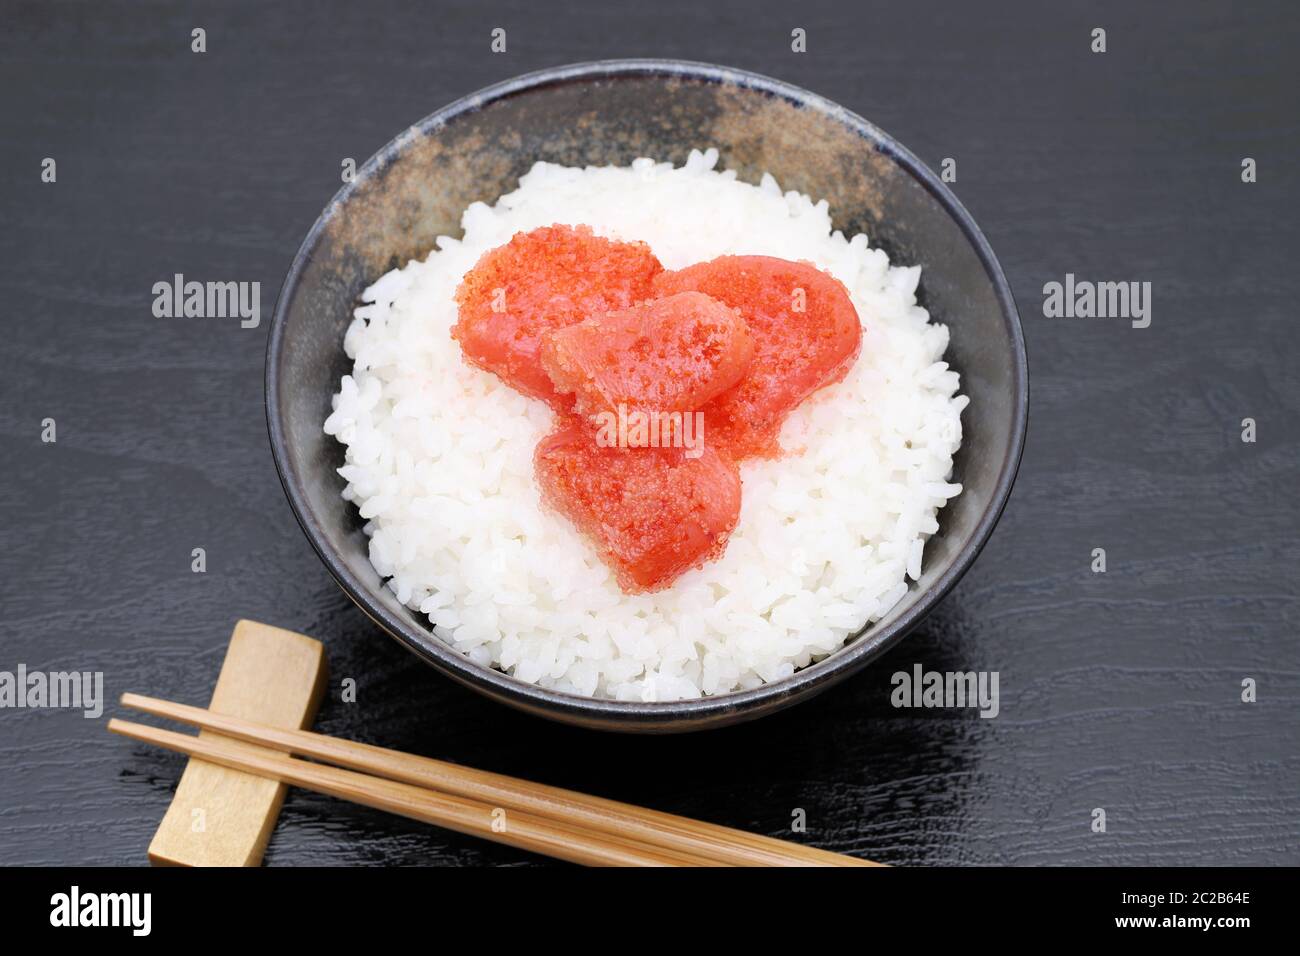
(1119, 690)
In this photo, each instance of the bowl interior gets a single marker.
(416, 190)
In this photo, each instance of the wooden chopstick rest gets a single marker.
(224, 817)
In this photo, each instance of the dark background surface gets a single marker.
(1119, 690)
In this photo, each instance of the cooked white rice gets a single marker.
(439, 458)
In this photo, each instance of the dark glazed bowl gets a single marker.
(612, 112)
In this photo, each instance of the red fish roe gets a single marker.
(653, 513)
(806, 334)
(592, 325)
(666, 355)
(538, 281)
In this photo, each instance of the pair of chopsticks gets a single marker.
(549, 820)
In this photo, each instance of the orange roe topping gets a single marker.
(538, 281)
(591, 325)
(806, 333)
(653, 513)
(670, 354)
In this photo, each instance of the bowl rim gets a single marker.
(699, 712)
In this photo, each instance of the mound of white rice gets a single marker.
(439, 458)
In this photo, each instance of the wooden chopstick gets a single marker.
(522, 830)
(709, 842)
